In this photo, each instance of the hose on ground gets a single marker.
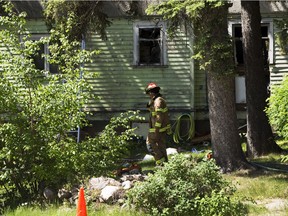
(267, 167)
(177, 137)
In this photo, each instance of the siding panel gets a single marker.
(280, 67)
(120, 85)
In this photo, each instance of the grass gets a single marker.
(100, 210)
(262, 189)
(265, 192)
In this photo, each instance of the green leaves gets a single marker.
(281, 36)
(83, 17)
(176, 8)
(212, 47)
(99, 155)
(38, 108)
(277, 111)
(184, 187)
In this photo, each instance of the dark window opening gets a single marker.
(53, 68)
(41, 61)
(239, 55)
(239, 52)
(238, 32)
(38, 58)
(239, 46)
(264, 31)
(149, 45)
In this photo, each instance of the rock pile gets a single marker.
(109, 190)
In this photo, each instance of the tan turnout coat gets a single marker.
(159, 127)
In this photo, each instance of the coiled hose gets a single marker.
(191, 130)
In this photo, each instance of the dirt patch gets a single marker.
(273, 204)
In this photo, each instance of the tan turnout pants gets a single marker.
(158, 145)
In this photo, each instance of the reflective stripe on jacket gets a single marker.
(159, 116)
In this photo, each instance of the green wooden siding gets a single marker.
(120, 85)
(36, 26)
(280, 68)
(200, 90)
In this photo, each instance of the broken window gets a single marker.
(235, 30)
(39, 58)
(238, 47)
(149, 43)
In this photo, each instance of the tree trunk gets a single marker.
(226, 146)
(259, 134)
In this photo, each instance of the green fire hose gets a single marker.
(177, 137)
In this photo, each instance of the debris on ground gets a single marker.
(128, 168)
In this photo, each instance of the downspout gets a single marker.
(192, 70)
(83, 46)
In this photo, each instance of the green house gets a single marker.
(138, 50)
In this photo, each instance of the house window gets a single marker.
(149, 44)
(235, 31)
(267, 43)
(39, 58)
(238, 48)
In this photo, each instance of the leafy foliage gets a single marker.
(281, 36)
(184, 187)
(200, 15)
(277, 108)
(88, 16)
(38, 109)
(101, 154)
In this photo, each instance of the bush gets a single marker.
(277, 109)
(101, 154)
(39, 108)
(184, 187)
(61, 162)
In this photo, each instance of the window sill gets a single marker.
(150, 66)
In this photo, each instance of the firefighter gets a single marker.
(159, 124)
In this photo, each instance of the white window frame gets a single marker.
(264, 22)
(149, 24)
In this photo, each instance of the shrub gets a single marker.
(101, 154)
(277, 108)
(38, 109)
(184, 187)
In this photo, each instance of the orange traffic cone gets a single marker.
(81, 207)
